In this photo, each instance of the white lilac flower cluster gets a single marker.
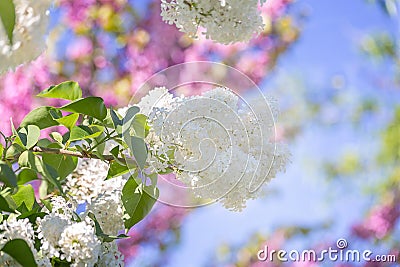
(221, 148)
(87, 181)
(88, 184)
(28, 36)
(61, 237)
(19, 229)
(223, 21)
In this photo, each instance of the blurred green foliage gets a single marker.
(390, 7)
(391, 141)
(380, 46)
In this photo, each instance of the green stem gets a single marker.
(106, 138)
(56, 151)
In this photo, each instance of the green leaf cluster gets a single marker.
(27, 155)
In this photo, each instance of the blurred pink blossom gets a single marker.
(81, 47)
(379, 223)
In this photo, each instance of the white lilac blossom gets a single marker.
(28, 36)
(157, 98)
(115, 185)
(76, 242)
(11, 229)
(14, 229)
(223, 149)
(110, 256)
(49, 231)
(107, 208)
(62, 207)
(86, 182)
(224, 21)
(156, 105)
(42, 261)
(89, 180)
(79, 244)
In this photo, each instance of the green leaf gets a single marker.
(115, 151)
(128, 119)
(84, 132)
(101, 146)
(1, 150)
(41, 117)
(99, 232)
(138, 149)
(67, 90)
(139, 125)
(25, 194)
(137, 201)
(20, 251)
(69, 121)
(107, 122)
(26, 175)
(7, 175)
(56, 137)
(52, 176)
(27, 159)
(7, 16)
(33, 136)
(30, 160)
(91, 106)
(116, 169)
(115, 118)
(23, 210)
(44, 142)
(47, 204)
(43, 191)
(20, 137)
(62, 163)
(98, 154)
(153, 178)
(66, 137)
(5, 205)
(130, 113)
(13, 151)
(117, 122)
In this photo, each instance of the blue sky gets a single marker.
(329, 46)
